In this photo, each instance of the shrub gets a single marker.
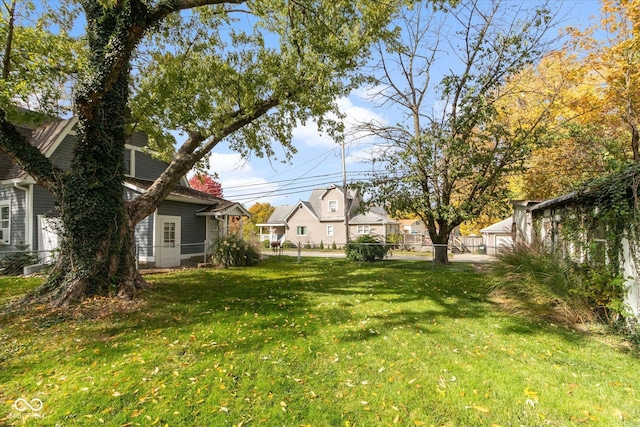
(266, 243)
(366, 248)
(234, 252)
(394, 239)
(333, 245)
(307, 245)
(288, 244)
(13, 263)
(321, 244)
(542, 282)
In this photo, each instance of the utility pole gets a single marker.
(346, 198)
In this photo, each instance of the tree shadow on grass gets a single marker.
(268, 299)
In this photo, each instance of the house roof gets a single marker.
(10, 170)
(45, 137)
(371, 218)
(501, 227)
(281, 214)
(216, 205)
(565, 198)
(302, 204)
(592, 188)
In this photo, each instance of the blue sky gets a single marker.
(318, 160)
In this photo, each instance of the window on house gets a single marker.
(329, 230)
(169, 234)
(4, 223)
(363, 229)
(301, 230)
(333, 206)
(129, 162)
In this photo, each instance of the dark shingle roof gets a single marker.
(216, 203)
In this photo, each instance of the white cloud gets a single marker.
(240, 181)
(355, 115)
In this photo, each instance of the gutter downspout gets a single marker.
(28, 195)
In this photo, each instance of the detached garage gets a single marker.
(497, 236)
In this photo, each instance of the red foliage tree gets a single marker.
(206, 184)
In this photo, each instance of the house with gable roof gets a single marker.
(180, 229)
(321, 219)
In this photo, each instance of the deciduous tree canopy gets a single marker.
(449, 160)
(218, 70)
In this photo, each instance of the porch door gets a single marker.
(48, 238)
(167, 241)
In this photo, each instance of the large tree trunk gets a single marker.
(96, 252)
(440, 239)
(96, 256)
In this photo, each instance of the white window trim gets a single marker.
(6, 240)
(333, 209)
(304, 227)
(132, 159)
(329, 230)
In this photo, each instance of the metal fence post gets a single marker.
(205, 252)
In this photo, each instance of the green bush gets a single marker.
(394, 239)
(333, 245)
(288, 244)
(13, 263)
(321, 244)
(366, 248)
(234, 252)
(266, 244)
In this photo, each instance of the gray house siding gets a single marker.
(144, 237)
(17, 209)
(61, 157)
(192, 226)
(147, 167)
(138, 139)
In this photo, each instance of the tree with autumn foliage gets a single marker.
(613, 57)
(580, 141)
(206, 184)
(260, 213)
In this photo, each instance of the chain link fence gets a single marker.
(150, 257)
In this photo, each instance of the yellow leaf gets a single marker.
(481, 409)
(418, 423)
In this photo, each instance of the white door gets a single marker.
(48, 237)
(167, 241)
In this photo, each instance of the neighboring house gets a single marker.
(321, 219)
(175, 232)
(412, 226)
(497, 236)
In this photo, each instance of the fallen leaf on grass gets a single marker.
(478, 408)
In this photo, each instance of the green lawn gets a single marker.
(321, 343)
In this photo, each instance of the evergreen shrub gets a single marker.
(366, 248)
